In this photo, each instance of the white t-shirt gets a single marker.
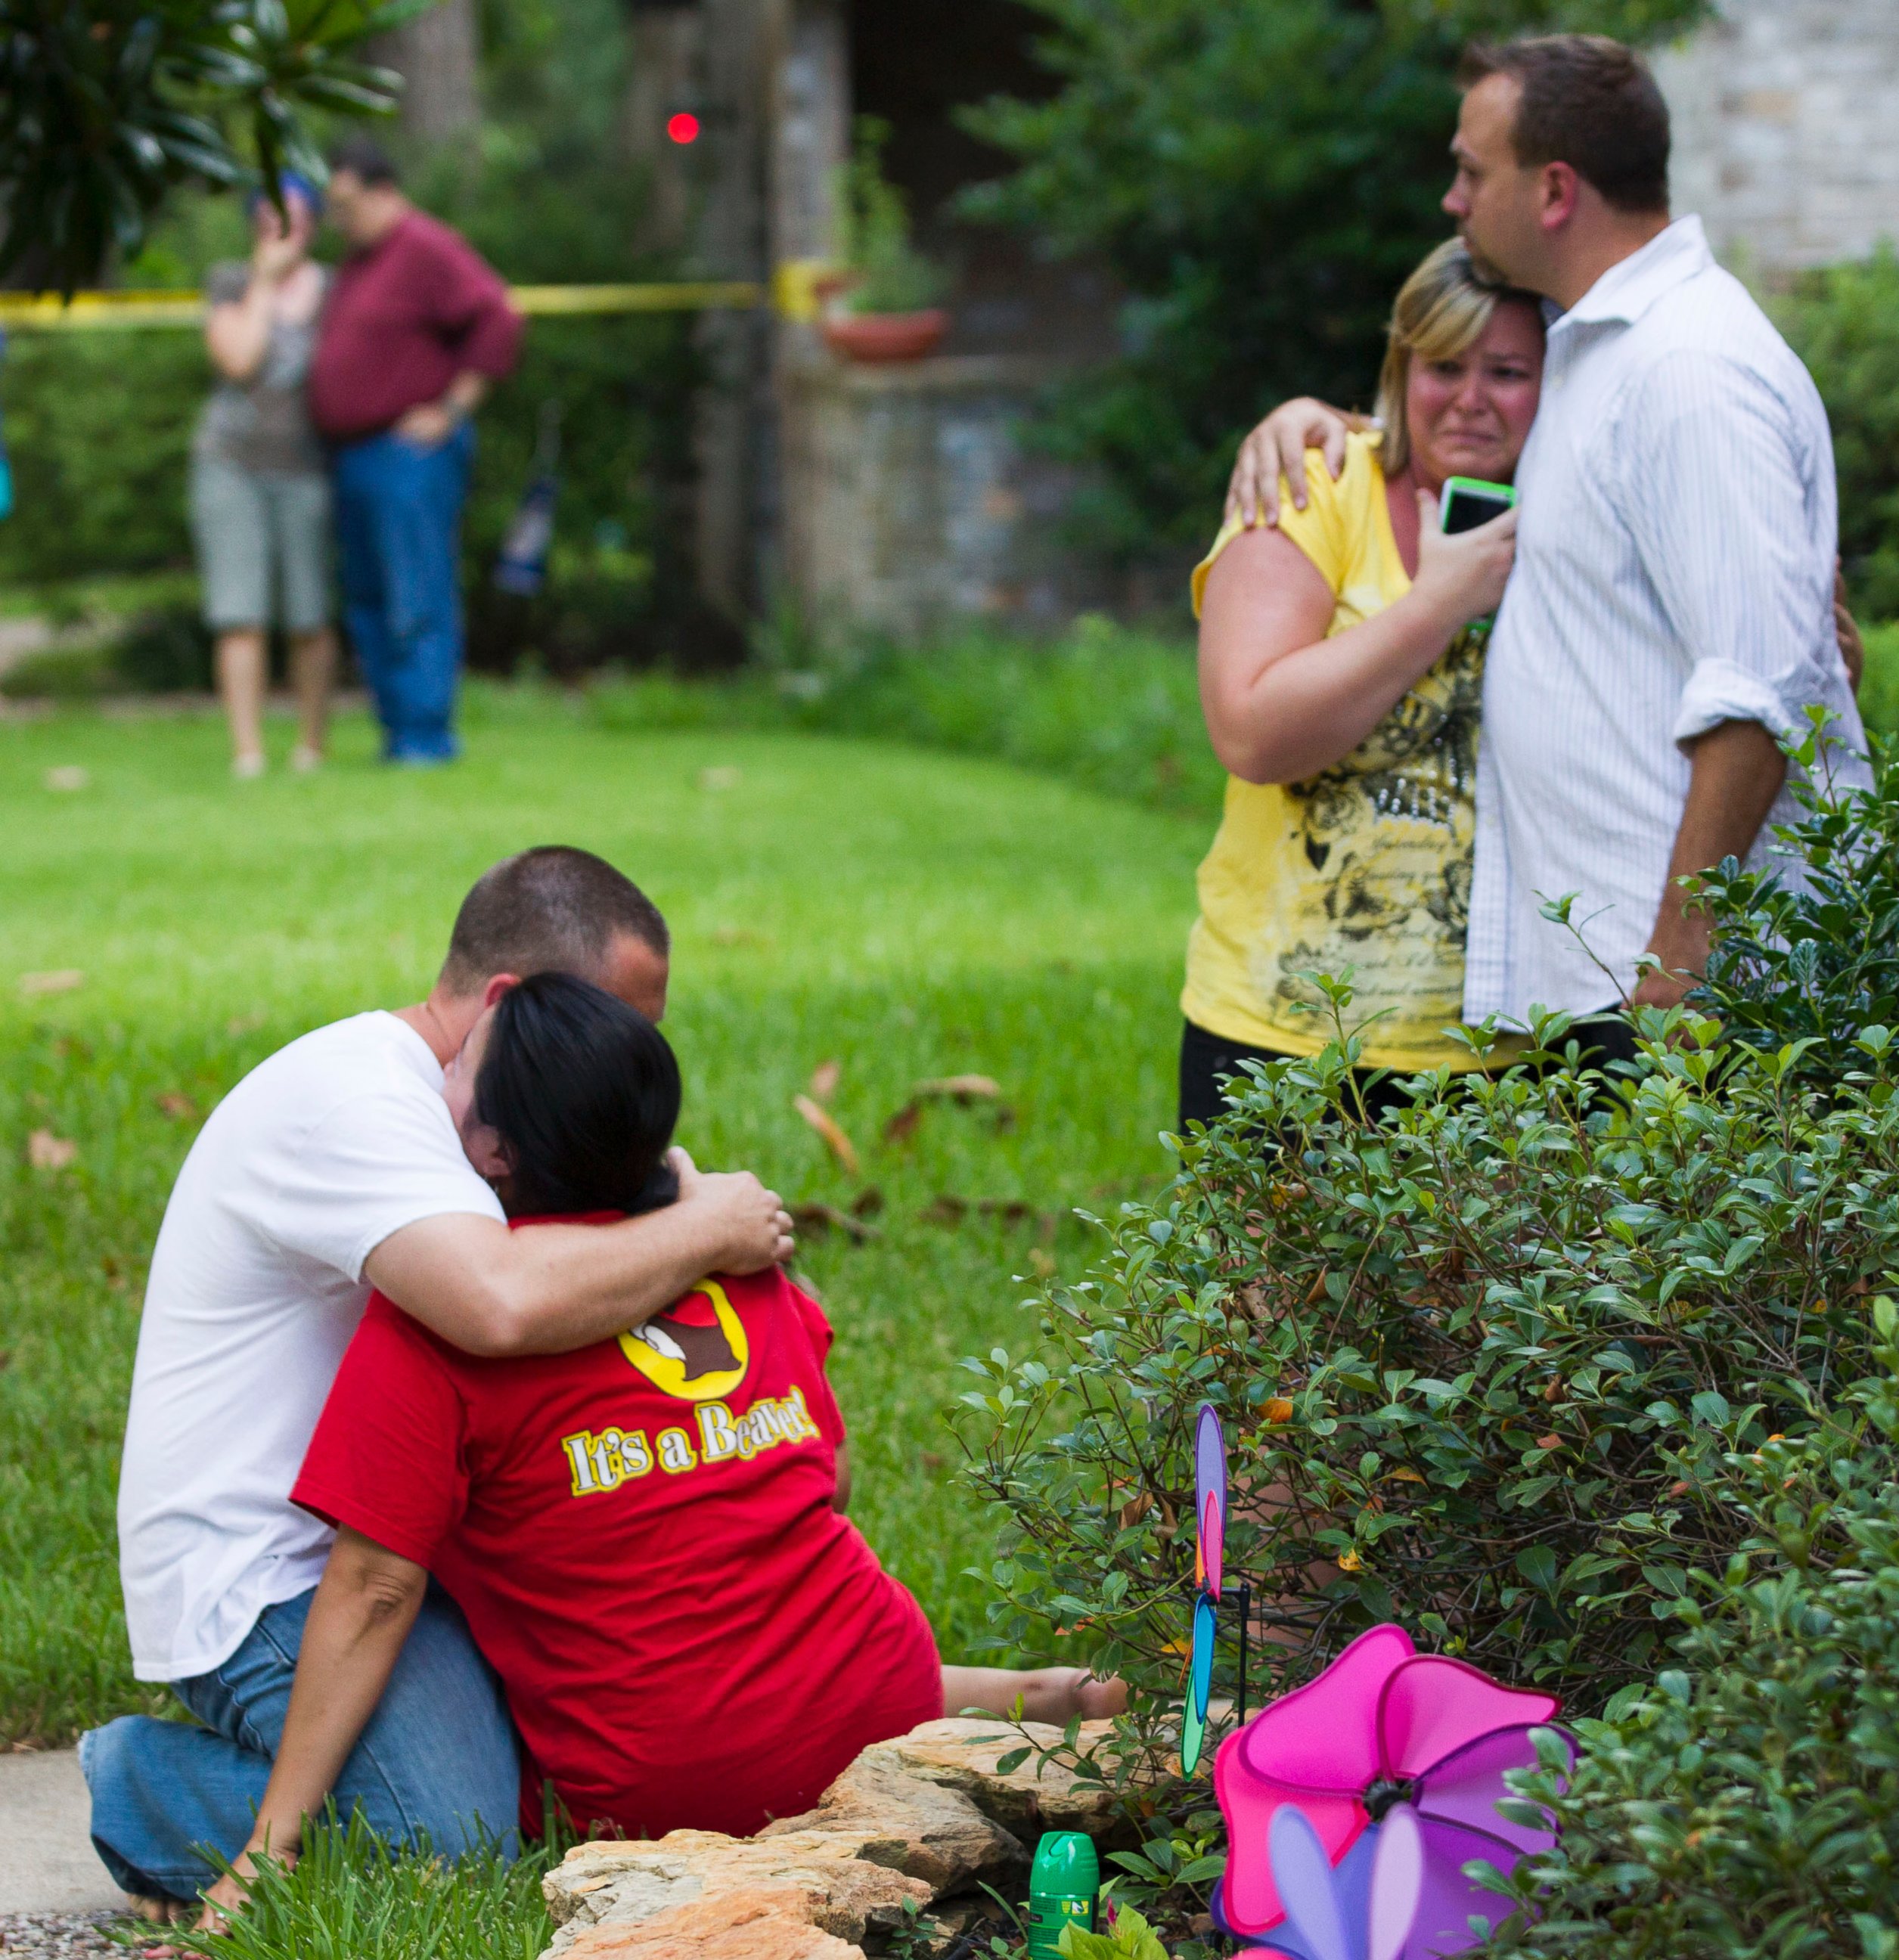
(306, 1166)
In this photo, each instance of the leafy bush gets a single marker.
(892, 276)
(1749, 1803)
(1481, 1368)
(1820, 969)
(1844, 321)
(1262, 175)
(1115, 708)
(98, 427)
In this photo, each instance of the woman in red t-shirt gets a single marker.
(647, 1535)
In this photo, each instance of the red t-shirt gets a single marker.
(402, 320)
(642, 1538)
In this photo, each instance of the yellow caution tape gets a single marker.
(47, 312)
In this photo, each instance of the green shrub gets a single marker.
(1843, 322)
(1260, 175)
(1105, 705)
(98, 429)
(1481, 1367)
(1821, 968)
(1749, 1803)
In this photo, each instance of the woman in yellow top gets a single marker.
(1340, 672)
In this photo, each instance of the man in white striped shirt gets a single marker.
(1670, 614)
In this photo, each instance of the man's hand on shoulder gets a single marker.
(749, 1221)
(1277, 448)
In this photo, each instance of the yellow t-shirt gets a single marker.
(1368, 864)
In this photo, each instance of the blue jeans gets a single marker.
(438, 1760)
(399, 521)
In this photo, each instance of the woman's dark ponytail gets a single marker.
(583, 1092)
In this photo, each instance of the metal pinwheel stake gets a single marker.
(1210, 1586)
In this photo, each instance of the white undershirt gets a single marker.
(1674, 563)
(307, 1165)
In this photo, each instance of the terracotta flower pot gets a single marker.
(886, 336)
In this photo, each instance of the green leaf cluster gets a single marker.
(106, 107)
(1483, 1369)
(891, 275)
(1747, 1802)
(1843, 322)
(1816, 966)
(1262, 175)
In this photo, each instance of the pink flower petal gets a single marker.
(1249, 1897)
(1323, 1736)
(1431, 1705)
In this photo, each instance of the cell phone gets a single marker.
(1469, 501)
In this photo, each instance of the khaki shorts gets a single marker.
(260, 532)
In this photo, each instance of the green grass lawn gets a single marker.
(908, 913)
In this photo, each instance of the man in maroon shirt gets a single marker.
(416, 327)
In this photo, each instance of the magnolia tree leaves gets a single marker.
(105, 108)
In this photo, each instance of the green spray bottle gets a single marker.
(1063, 1883)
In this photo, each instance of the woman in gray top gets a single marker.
(260, 488)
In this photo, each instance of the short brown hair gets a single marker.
(365, 158)
(551, 909)
(1588, 102)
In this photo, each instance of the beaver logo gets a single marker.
(696, 1350)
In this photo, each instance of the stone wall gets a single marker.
(1786, 130)
(910, 503)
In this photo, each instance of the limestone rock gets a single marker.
(923, 1815)
(962, 1754)
(930, 1830)
(822, 1876)
(761, 1923)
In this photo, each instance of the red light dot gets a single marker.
(683, 128)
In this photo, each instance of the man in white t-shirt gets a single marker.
(332, 1167)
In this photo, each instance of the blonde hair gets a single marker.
(1441, 312)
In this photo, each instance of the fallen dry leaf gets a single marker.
(62, 980)
(826, 1125)
(177, 1106)
(815, 1220)
(1550, 1441)
(961, 1089)
(825, 1079)
(958, 1089)
(1277, 1409)
(68, 777)
(46, 1152)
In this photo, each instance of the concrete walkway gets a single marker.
(47, 1863)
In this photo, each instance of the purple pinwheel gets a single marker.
(1384, 1728)
(1363, 1909)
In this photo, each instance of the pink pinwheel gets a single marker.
(1383, 1725)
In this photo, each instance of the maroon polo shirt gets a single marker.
(404, 317)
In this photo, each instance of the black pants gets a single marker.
(1205, 1058)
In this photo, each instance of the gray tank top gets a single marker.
(263, 423)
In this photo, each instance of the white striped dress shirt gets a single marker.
(1675, 567)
